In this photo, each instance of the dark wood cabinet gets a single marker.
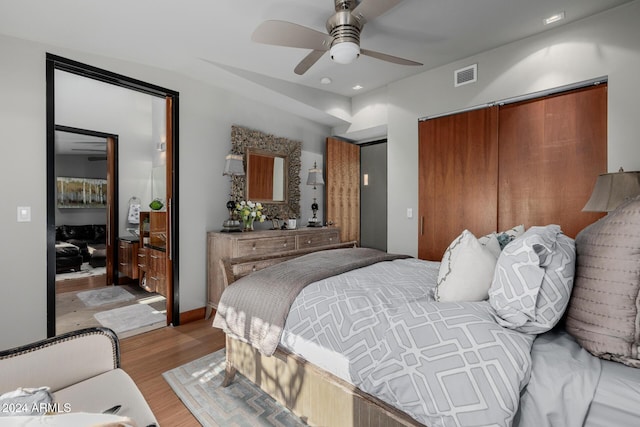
(156, 271)
(127, 260)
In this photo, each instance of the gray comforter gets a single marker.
(254, 308)
(444, 364)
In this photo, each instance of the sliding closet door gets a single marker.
(551, 151)
(343, 188)
(458, 164)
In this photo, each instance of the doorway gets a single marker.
(168, 145)
(86, 202)
(373, 195)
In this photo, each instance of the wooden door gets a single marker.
(457, 178)
(342, 187)
(551, 151)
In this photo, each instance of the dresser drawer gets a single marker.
(314, 240)
(266, 246)
(142, 259)
(243, 269)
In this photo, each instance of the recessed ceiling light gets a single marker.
(554, 18)
(325, 80)
(357, 87)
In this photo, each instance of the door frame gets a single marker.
(112, 222)
(55, 62)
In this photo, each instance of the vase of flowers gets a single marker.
(248, 212)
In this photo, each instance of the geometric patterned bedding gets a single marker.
(443, 363)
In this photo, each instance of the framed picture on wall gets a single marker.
(81, 192)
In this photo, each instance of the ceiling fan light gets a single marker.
(345, 52)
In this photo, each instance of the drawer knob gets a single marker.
(331, 239)
(254, 268)
(308, 242)
(285, 244)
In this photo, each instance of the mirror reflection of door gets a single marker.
(266, 179)
(142, 170)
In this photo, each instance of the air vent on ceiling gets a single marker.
(465, 75)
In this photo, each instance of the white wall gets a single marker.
(604, 45)
(206, 116)
(93, 105)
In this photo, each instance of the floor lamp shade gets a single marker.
(611, 190)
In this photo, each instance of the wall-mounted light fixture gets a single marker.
(365, 179)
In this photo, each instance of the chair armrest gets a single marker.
(60, 361)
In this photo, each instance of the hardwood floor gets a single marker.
(81, 284)
(145, 357)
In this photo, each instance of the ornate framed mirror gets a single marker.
(272, 168)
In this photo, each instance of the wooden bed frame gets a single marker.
(318, 397)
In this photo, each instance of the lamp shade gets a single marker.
(315, 176)
(233, 165)
(611, 190)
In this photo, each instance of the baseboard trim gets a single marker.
(192, 315)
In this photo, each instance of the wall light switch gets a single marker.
(24, 213)
(409, 213)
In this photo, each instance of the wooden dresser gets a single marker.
(256, 244)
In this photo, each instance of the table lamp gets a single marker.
(314, 178)
(233, 166)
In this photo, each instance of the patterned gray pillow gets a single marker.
(533, 280)
(604, 312)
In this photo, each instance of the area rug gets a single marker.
(130, 317)
(197, 384)
(104, 296)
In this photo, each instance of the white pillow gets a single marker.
(466, 270)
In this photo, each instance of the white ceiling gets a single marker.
(75, 144)
(205, 38)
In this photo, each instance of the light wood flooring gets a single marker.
(72, 314)
(146, 356)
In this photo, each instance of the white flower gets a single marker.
(251, 204)
(242, 203)
(253, 214)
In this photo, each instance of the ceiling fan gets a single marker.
(342, 40)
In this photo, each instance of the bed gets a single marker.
(383, 343)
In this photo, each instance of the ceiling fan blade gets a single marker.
(283, 33)
(371, 9)
(308, 61)
(388, 58)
